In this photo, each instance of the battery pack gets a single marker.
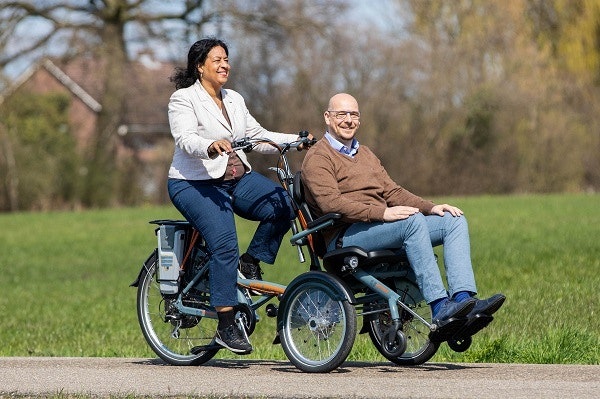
(171, 243)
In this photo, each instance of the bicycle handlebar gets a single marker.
(247, 144)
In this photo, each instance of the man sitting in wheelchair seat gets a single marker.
(341, 176)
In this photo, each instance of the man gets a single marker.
(344, 177)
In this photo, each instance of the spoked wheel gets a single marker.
(319, 326)
(419, 348)
(178, 339)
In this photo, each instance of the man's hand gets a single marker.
(306, 146)
(398, 213)
(440, 209)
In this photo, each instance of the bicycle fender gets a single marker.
(150, 259)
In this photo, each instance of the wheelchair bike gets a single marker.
(317, 314)
(317, 322)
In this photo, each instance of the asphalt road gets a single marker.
(104, 377)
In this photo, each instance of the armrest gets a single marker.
(314, 226)
(325, 218)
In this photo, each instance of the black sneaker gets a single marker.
(233, 339)
(250, 270)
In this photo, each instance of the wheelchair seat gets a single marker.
(335, 261)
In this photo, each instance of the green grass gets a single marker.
(65, 281)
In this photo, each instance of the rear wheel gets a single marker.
(178, 339)
(319, 326)
(419, 348)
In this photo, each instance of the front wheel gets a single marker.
(178, 339)
(319, 326)
(419, 348)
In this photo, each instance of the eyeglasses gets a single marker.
(341, 115)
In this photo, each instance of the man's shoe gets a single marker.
(233, 339)
(450, 319)
(250, 270)
(488, 306)
(452, 309)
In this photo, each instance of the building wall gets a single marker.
(82, 119)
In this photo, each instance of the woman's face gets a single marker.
(215, 69)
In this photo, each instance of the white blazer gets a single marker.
(196, 122)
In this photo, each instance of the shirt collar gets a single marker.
(350, 151)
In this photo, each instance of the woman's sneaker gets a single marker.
(250, 268)
(233, 339)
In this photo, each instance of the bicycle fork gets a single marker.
(392, 297)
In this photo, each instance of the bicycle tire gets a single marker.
(172, 340)
(319, 326)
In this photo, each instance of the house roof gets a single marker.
(147, 95)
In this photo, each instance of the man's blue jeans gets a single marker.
(416, 236)
(210, 207)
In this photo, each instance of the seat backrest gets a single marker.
(299, 199)
(316, 240)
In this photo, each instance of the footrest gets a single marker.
(450, 328)
(473, 326)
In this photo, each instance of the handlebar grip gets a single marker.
(239, 143)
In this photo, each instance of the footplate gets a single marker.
(450, 328)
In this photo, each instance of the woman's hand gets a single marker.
(440, 209)
(219, 147)
(398, 213)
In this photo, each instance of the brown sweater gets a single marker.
(359, 188)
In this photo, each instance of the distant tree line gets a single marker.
(457, 97)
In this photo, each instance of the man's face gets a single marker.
(342, 118)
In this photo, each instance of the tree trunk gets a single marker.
(12, 178)
(100, 185)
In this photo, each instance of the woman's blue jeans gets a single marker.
(416, 236)
(210, 207)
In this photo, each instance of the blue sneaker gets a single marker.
(488, 306)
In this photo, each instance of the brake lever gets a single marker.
(242, 144)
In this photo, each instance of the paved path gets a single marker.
(104, 377)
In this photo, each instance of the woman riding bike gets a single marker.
(209, 183)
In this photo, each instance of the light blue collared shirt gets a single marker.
(341, 147)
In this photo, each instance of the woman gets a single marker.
(209, 183)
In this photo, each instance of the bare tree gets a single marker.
(116, 30)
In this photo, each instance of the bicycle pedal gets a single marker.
(196, 350)
(271, 310)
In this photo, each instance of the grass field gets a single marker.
(65, 281)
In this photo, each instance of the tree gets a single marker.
(115, 31)
(498, 108)
(39, 164)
